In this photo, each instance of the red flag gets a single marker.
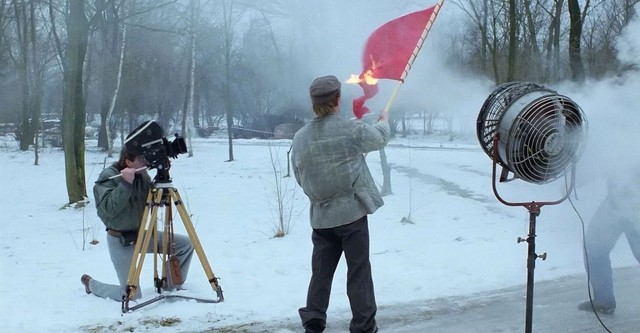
(389, 50)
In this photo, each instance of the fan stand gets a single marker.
(534, 210)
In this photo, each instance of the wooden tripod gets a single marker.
(161, 195)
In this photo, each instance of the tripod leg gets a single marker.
(142, 242)
(168, 229)
(196, 243)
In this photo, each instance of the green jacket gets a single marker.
(328, 161)
(120, 204)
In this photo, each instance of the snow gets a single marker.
(460, 241)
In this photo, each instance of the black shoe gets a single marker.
(586, 306)
(314, 326)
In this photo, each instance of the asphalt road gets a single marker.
(554, 310)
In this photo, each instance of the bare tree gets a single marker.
(187, 107)
(531, 49)
(601, 26)
(228, 30)
(488, 26)
(26, 63)
(73, 111)
(552, 49)
(107, 119)
(513, 41)
(386, 174)
(103, 55)
(575, 36)
(284, 197)
(479, 19)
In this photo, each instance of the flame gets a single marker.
(355, 79)
(367, 78)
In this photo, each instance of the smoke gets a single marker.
(329, 37)
(613, 112)
(628, 44)
(432, 85)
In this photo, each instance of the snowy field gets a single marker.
(441, 234)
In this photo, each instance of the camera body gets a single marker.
(149, 141)
(157, 154)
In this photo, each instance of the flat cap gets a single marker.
(323, 89)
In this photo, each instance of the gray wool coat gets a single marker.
(329, 164)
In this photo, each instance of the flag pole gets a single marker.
(414, 54)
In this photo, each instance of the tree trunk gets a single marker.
(106, 46)
(187, 107)
(28, 125)
(73, 110)
(106, 121)
(192, 84)
(494, 48)
(513, 46)
(534, 60)
(37, 75)
(556, 41)
(552, 63)
(386, 174)
(575, 34)
(484, 27)
(228, 36)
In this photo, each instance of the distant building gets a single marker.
(286, 130)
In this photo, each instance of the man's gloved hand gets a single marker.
(383, 116)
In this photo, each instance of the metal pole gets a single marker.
(534, 210)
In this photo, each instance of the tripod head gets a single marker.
(162, 176)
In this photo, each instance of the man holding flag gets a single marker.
(328, 161)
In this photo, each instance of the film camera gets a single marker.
(149, 141)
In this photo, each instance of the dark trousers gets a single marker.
(328, 245)
(607, 226)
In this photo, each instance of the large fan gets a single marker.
(540, 132)
(536, 134)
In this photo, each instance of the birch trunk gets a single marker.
(115, 92)
(192, 84)
(187, 106)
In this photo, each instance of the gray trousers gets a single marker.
(328, 246)
(609, 223)
(121, 258)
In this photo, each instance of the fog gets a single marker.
(613, 113)
(459, 245)
(330, 36)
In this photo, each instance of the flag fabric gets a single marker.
(388, 53)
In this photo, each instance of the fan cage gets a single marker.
(494, 107)
(540, 132)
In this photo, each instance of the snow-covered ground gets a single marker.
(460, 240)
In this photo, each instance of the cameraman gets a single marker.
(121, 202)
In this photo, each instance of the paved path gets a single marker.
(555, 310)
